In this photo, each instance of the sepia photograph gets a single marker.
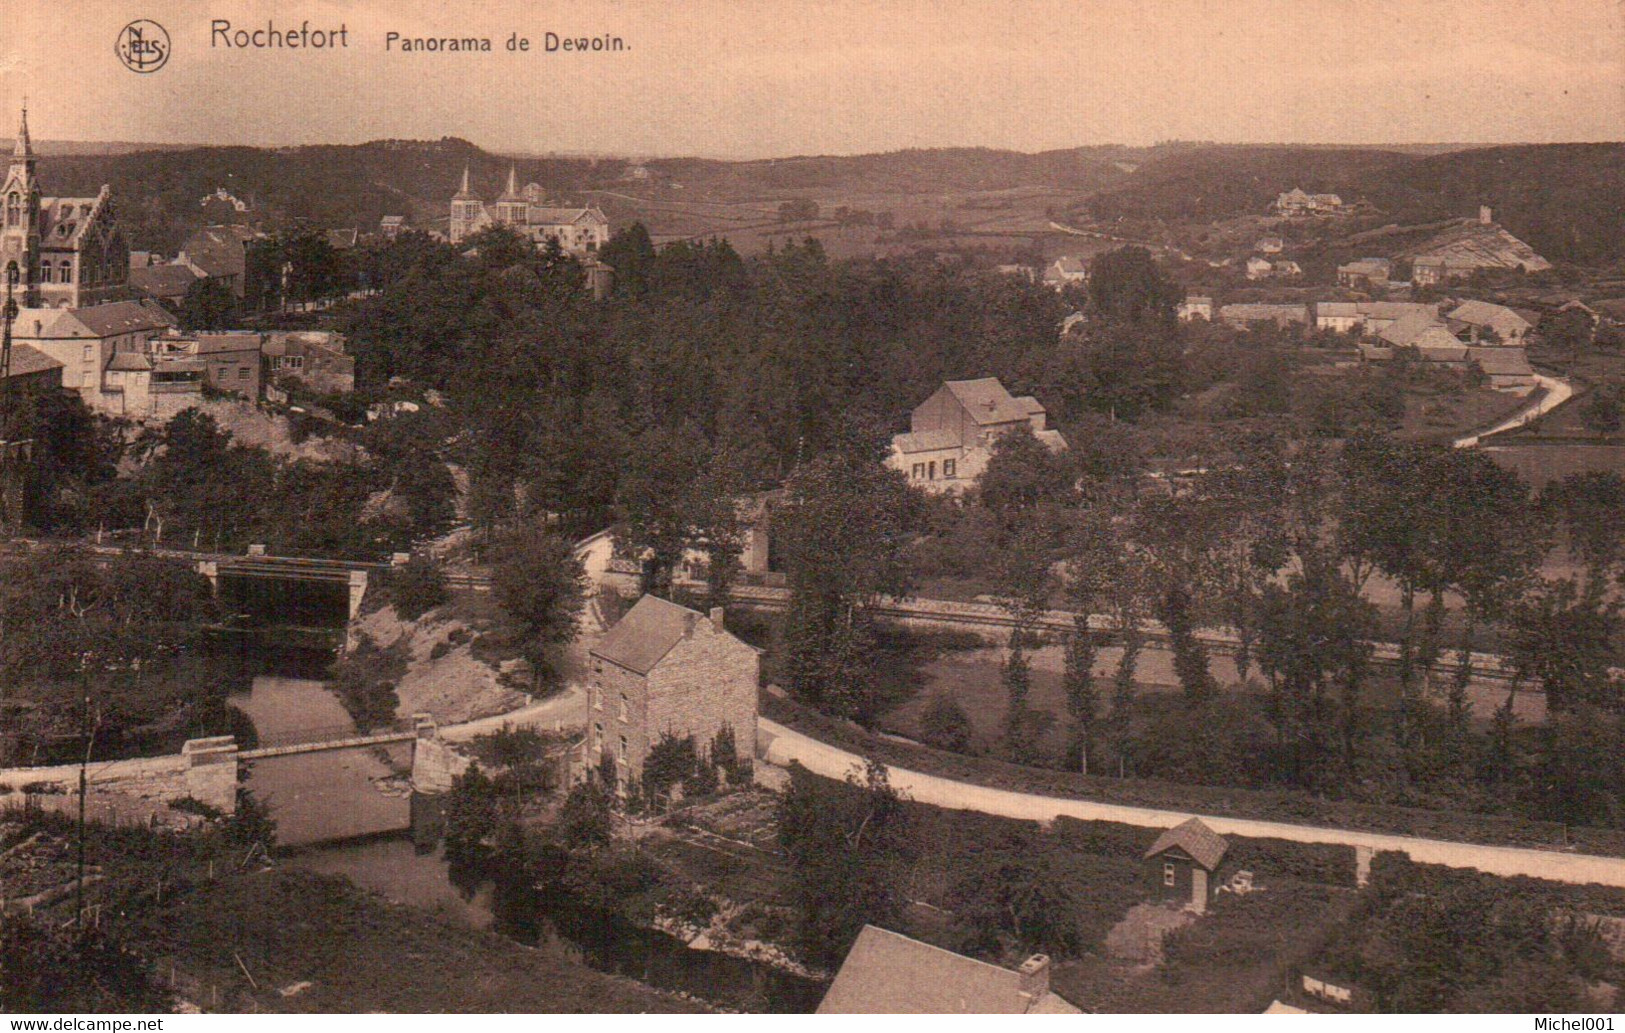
(1094, 508)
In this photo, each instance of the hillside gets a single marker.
(326, 186)
(1213, 183)
(1560, 198)
(908, 171)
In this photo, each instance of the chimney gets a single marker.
(1486, 215)
(1032, 978)
(717, 614)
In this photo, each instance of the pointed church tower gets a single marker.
(19, 233)
(512, 209)
(467, 212)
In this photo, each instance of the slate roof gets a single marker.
(538, 215)
(1396, 309)
(886, 973)
(987, 401)
(1280, 314)
(121, 317)
(925, 441)
(1408, 329)
(163, 281)
(208, 344)
(1502, 362)
(1340, 309)
(649, 631)
(26, 360)
(1206, 847)
(1484, 313)
(129, 362)
(1440, 345)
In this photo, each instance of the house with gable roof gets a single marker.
(887, 973)
(665, 669)
(1183, 864)
(951, 434)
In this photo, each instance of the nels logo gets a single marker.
(143, 46)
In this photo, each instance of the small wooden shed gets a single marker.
(1183, 864)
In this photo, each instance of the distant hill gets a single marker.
(919, 170)
(1567, 201)
(1563, 199)
(336, 186)
(1213, 183)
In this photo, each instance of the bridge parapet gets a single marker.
(211, 771)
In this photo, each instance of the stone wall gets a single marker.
(205, 770)
(707, 681)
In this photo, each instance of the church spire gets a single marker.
(464, 194)
(512, 192)
(24, 147)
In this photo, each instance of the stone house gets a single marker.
(664, 669)
(1365, 273)
(105, 352)
(226, 361)
(1476, 321)
(951, 434)
(886, 973)
(1194, 307)
(1064, 270)
(1242, 317)
(314, 358)
(1183, 864)
(219, 253)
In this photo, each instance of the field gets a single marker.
(1007, 221)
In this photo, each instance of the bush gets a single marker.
(946, 726)
(671, 761)
(418, 587)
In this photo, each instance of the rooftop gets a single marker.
(651, 629)
(1206, 847)
(886, 973)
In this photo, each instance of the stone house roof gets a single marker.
(886, 973)
(651, 629)
(1206, 847)
(26, 360)
(988, 402)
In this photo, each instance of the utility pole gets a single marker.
(13, 454)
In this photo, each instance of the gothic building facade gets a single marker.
(579, 231)
(58, 252)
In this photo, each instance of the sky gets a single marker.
(766, 78)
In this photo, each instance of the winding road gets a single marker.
(779, 745)
(1555, 394)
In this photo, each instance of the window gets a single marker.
(623, 708)
(89, 352)
(919, 471)
(948, 468)
(931, 470)
(597, 698)
(1167, 873)
(242, 372)
(623, 749)
(45, 273)
(67, 271)
(598, 736)
(14, 209)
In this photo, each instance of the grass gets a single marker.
(1233, 959)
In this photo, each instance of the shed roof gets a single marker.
(925, 441)
(1206, 847)
(886, 973)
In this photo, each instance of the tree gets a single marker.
(1590, 509)
(209, 304)
(1078, 685)
(1022, 475)
(1127, 286)
(849, 844)
(945, 725)
(585, 820)
(1016, 905)
(1314, 649)
(843, 528)
(540, 583)
(799, 210)
(418, 587)
(657, 493)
